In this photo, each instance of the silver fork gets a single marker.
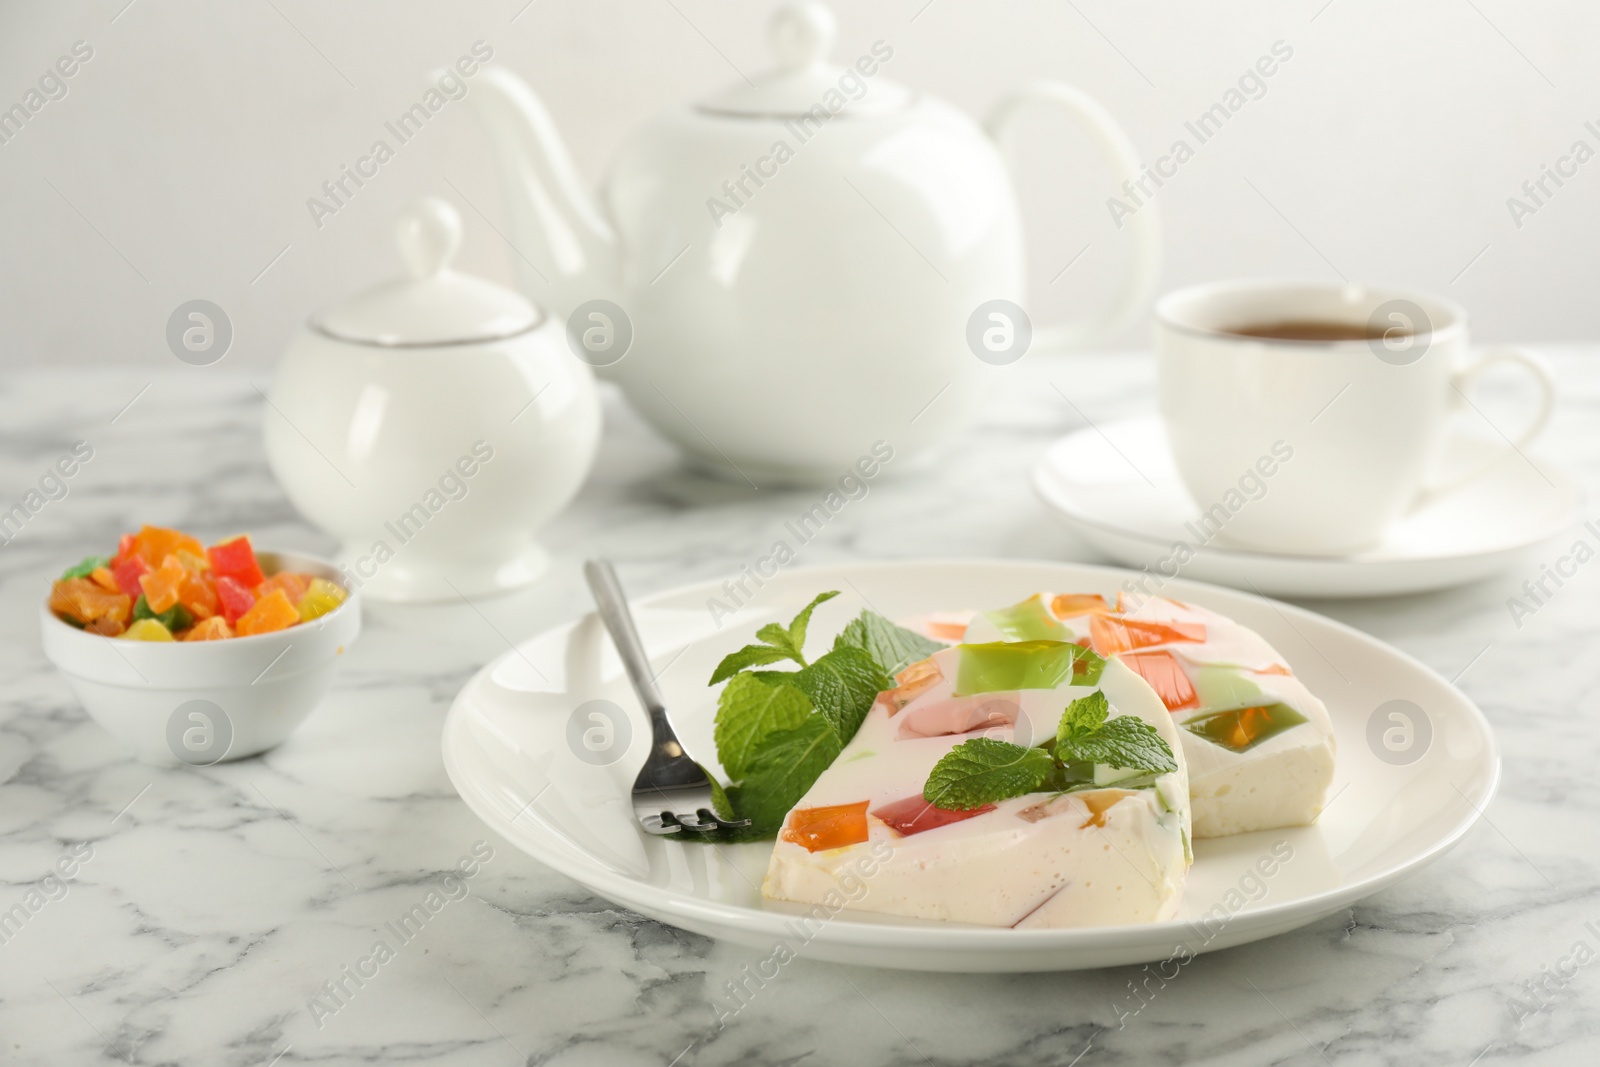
(671, 793)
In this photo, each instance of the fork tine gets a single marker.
(662, 825)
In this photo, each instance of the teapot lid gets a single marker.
(802, 35)
(433, 304)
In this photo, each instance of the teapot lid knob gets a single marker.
(428, 232)
(803, 33)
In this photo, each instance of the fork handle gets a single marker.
(613, 606)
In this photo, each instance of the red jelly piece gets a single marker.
(913, 815)
(1165, 675)
(236, 559)
(234, 598)
(127, 570)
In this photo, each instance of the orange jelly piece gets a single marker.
(81, 599)
(1112, 635)
(294, 585)
(272, 612)
(215, 628)
(154, 544)
(910, 683)
(1066, 605)
(163, 587)
(836, 826)
(1165, 675)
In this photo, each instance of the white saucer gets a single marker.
(1116, 485)
(515, 748)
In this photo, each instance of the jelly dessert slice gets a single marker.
(1241, 729)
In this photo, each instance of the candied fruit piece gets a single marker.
(236, 559)
(80, 601)
(294, 585)
(84, 568)
(913, 815)
(106, 626)
(105, 580)
(272, 612)
(147, 630)
(322, 596)
(164, 585)
(174, 618)
(234, 598)
(127, 570)
(154, 544)
(835, 826)
(213, 629)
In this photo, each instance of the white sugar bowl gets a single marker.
(432, 424)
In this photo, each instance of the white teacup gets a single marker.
(1313, 447)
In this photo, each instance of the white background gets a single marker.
(1384, 151)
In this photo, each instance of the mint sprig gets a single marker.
(1126, 743)
(778, 642)
(986, 771)
(776, 731)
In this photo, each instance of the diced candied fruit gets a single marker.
(147, 630)
(236, 558)
(293, 585)
(84, 568)
(154, 544)
(127, 570)
(80, 600)
(1067, 605)
(1165, 675)
(322, 596)
(1111, 634)
(124, 550)
(174, 618)
(196, 592)
(272, 612)
(913, 815)
(107, 627)
(234, 598)
(105, 580)
(212, 629)
(163, 587)
(835, 826)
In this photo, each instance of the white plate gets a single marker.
(1117, 487)
(512, 738)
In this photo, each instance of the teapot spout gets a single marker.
(565, 250)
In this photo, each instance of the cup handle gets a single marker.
(1462, 381)
(1123, 161)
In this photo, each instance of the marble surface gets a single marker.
(204, 910)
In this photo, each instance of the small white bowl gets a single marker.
(202, 702)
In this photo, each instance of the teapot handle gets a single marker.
(1144, 222)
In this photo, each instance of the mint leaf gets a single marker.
(982, 771)
(797, 626)
(780, 770)
(750, 709)
(842, 685)
(894, 647)
(1082, 717)
(1126, 743)
(748, 656)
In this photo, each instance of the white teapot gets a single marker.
(432, 424)
(794, 268)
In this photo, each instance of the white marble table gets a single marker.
(214, 904)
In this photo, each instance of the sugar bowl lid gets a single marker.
(433, 304)
(805, 83)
